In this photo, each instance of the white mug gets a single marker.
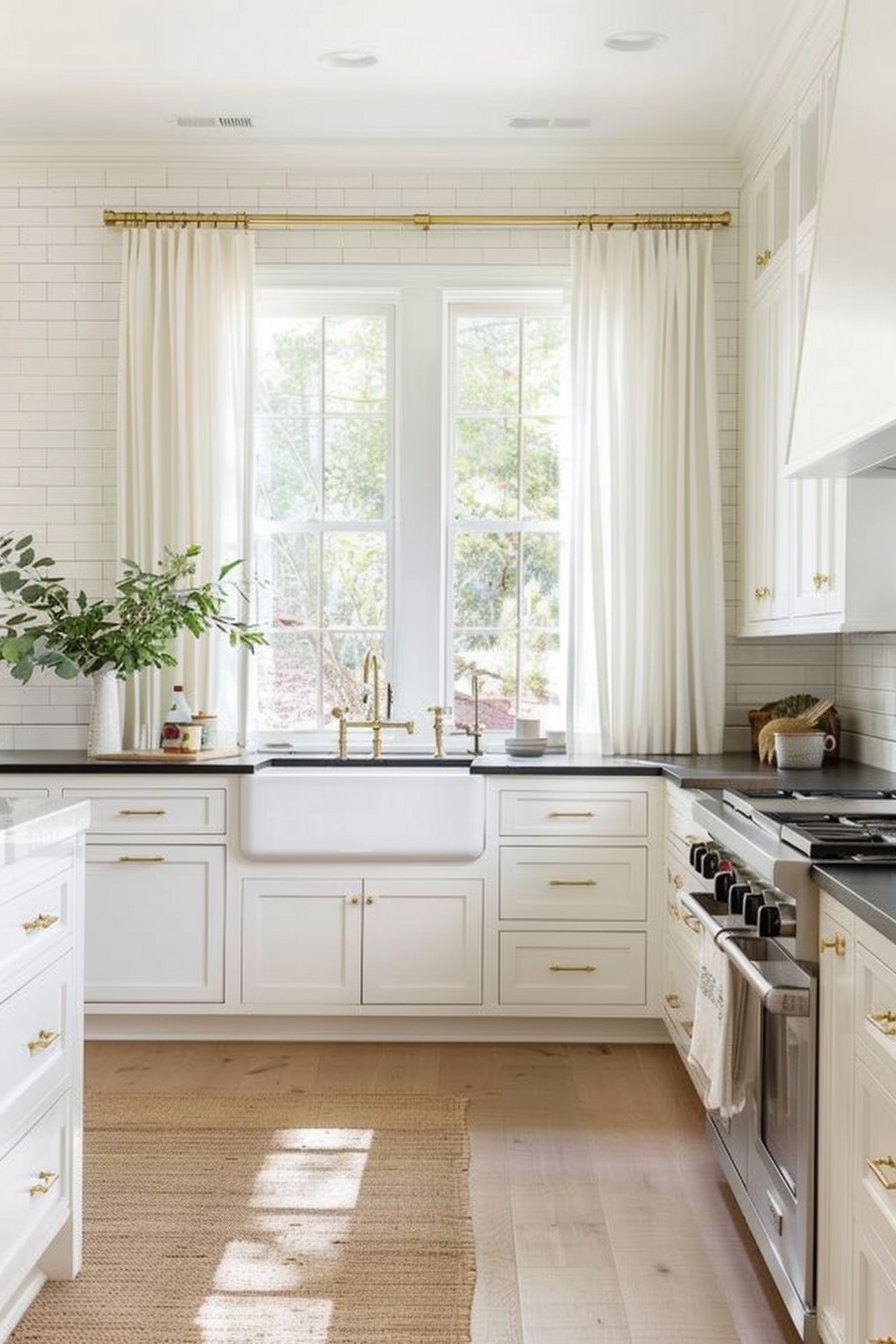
(802, 751)
(524, 728)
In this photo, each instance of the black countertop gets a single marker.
(728, 770)
(868, 891)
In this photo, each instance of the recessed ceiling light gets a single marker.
(635, 41)
(349, 59)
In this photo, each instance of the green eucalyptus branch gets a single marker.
(44, 625)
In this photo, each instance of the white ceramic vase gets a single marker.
(104, 732)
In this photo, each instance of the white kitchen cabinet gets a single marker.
(836, 1049)
(156, 897)
(771, 210)
(41, 1035)
(815, 555)
(316, 942)
(856, 1275)
(156, 901)
(768, 498)
(155, 923)
(576, 927)
(873, 1212)
(682, 930)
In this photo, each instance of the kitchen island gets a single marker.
(41, 1046)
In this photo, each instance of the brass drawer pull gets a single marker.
(876, 1163)
(882, 1339)
(677, 881)
(687, 1028)
(884, 1022)
(673, 1000)
(141, 858)
(836, 944)
(143, 812)
(553, 815)
(693, 923)
(45, 1180)
(42, 1041)
(40, 922)
(555, 967)
(571, 882)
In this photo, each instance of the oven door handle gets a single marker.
(779, 1000)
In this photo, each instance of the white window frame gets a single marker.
(418, 652)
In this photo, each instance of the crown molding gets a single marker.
(420, 156)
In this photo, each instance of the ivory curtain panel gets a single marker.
(184, 425)
(646, 642)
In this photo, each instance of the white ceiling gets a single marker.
(115, 70)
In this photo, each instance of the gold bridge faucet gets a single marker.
(372, 673)
(474, 729)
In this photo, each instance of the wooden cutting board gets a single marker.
(171, 757)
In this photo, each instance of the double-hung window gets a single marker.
(409, 451)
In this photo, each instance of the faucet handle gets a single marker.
(438, 723)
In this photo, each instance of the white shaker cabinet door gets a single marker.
(301, 941)
(422, 941)
(155, 923)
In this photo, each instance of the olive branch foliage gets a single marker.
(45, 625)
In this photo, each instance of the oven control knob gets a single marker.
(710, 865)
(695, 854)
(736, 893)
(752, 904)
(722, 883)
(768, 923)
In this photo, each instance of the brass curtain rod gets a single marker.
(139, 219)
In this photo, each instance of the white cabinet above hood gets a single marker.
(844, 416)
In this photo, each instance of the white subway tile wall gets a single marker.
(59, 289)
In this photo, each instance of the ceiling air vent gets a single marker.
(550, 123)
(214, 123)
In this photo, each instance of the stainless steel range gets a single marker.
(757, 901)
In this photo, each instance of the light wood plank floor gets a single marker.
(600, 1215)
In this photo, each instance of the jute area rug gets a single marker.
(268, 1220)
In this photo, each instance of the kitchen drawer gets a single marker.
(683, 929)
(35, 1039)
(573, 968)
(35, 1189)
(573, 812)
(36, 922)
(875, 1000)
(573, 883)
(875, 1148)
(875, 1287)
(155, 811)
(679, 996)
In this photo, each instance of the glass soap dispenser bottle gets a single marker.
(179, 710)
(178, 717)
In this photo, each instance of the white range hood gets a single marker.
(844, 416)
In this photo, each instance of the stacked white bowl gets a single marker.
(527, 739)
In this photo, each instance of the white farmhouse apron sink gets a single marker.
(359, 812)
